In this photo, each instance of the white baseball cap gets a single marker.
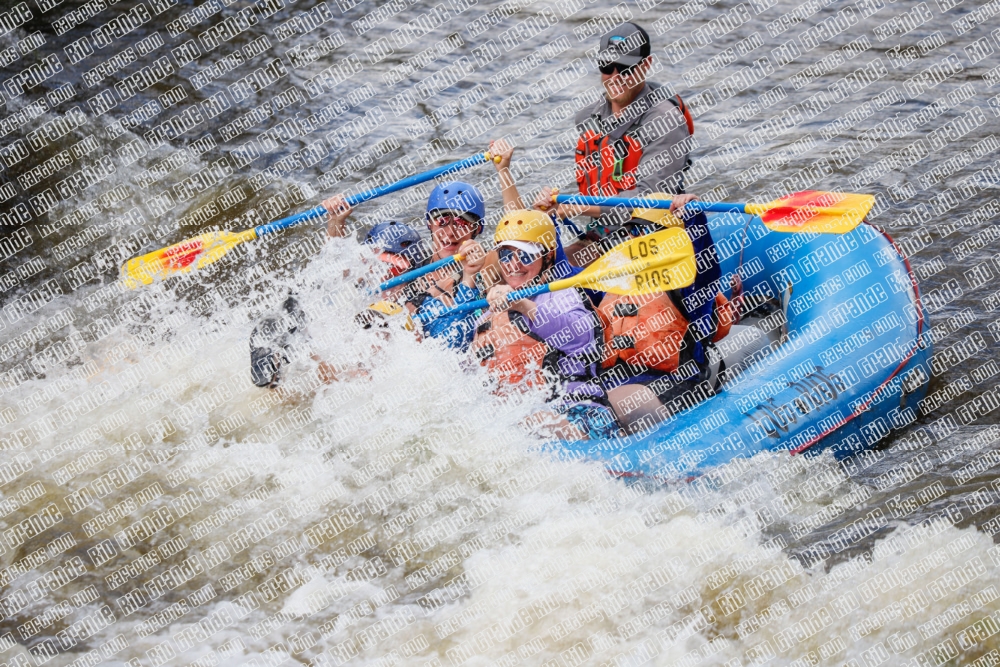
(526, 246)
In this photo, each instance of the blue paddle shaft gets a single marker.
(641, 202)
(354, 200)
(516, 295)
(416, 273)
(457, 310)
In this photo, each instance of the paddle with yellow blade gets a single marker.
(649, 264)
(806, 211)
(204, 249)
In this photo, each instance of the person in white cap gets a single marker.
(551, 339)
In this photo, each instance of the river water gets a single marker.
(157, 508)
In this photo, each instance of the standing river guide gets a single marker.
(701, 371)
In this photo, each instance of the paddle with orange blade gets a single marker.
(204, 249)
(182, 257)
(807, 211)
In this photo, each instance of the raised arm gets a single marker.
(337, 211)
(508, 190)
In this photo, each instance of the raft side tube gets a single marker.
(853, 367)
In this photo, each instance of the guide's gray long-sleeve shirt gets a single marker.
(659, 126)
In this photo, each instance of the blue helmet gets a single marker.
(399, 239)
(462, 198)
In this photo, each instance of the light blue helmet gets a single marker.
(398, 238)
(461, 198)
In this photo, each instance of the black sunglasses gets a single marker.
(611, 68)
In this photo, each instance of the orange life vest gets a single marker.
(510, 351)
(644, 331)
(605, 166)
(648, 331)
(725, 315)
(688, 119)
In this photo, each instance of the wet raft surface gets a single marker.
(160, 509)
(850, 368)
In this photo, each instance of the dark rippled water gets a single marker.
(896, 99)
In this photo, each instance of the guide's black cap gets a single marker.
(626, 44)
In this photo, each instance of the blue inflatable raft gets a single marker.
(841, 360)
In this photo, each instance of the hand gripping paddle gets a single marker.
(657, 262)
(204, 249)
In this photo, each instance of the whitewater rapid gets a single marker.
(404, 515)
(157, 508)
